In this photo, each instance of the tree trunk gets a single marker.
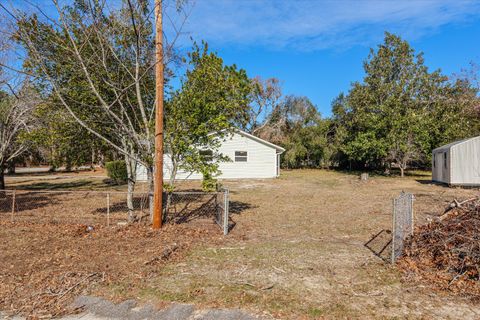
(92, 160)
(11, 167)
(132, 217)
(171, 187)
(151, 189)
(131, 180)
(2, 177)
(68, 164)
(101, 159)
(402, 171)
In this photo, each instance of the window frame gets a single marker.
(207, 155)
(237, 157)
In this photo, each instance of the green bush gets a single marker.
(209, 183)
(117, 171)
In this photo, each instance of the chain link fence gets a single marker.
(402, 222)
(111, 208)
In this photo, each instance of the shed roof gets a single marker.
(455, 143)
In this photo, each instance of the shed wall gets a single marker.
(465, 163)
(441, 168)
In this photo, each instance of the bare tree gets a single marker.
(265, 98)
(99, 64)
(402, 154)
(471, 77)
(16, 118)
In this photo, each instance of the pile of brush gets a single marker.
(446, 251)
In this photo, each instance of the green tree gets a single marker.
(62, 141)
(98, 64)
(211, 100)
(296, 124)
(400, 109)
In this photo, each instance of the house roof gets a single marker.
(265, 142)
(455, 143)
(251, 136)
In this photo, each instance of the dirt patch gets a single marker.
(43, 266)
(302, 253)
(296, 252)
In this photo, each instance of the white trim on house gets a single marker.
(262, 160)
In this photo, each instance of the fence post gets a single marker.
(402, 224)
(411, 210)
(225, 211)
(13, 204)
(393, 232)
(108, 209)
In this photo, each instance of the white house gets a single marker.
(457, 163)
(251, 157)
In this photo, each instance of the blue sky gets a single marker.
(317, 47)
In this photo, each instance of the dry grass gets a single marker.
(43, 266)
(297, 252)
(301, 252)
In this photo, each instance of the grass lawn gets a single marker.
(296, 252)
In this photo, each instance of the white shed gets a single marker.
(252, 158)
(457, 163)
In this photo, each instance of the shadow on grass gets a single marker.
(140, 203)
(57, 186)
(380, 244)
(446, 185)
(238, 207)
(26, 201)
(394, 173)
(431, 182)
(183, 208)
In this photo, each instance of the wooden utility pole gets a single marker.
(158, 171)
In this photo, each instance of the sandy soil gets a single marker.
(301, 252)
(296, 252)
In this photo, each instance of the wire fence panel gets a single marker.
(119, 206)
(109, 208)
(181, 207)
(7, 201)
(222, 212)
(402, 222)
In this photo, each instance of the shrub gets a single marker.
(117, 171)
(209, 183)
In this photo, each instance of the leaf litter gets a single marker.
(446, 251)
(43, 266)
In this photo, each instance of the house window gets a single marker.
(207, 155)
(240, 156)
(445, 160)
(434, 160)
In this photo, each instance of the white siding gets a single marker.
(141, 173)
(465, 163)
(261, 161)
(167, 167)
